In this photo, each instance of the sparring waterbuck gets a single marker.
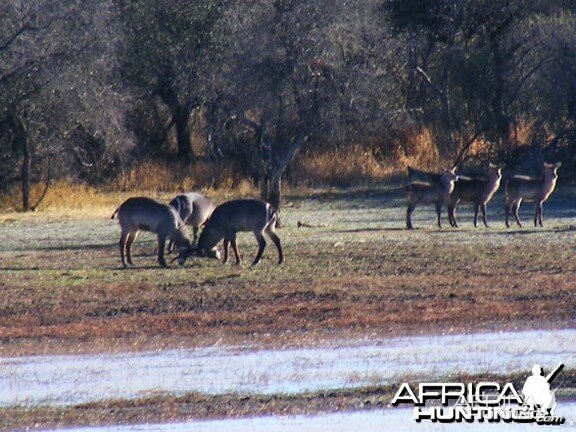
(242, 215)
(523, 188)
(475, 190)
(194, 209)
(145, 214)
(430, 193)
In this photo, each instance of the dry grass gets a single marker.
(369, 163)
(170, 177)
(419, 149)
(63, 199)
(68, 200)
(341, 167)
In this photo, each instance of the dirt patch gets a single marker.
(359, 305)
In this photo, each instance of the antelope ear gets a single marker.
(558, 164)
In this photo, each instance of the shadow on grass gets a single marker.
(88, 247)
(118, 267)
(359, 230)
(526, 231)
(24, 269)
(346, 195)
(64, 248)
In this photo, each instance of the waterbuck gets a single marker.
(145, 214)
(475, 190)
(242, 215)
(523, 188)
(430, 193)
(194, 209)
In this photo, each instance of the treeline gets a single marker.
(90, 87)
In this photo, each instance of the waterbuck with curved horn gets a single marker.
(419, 192)
(242, 215)
(524, 188)
(144, 214)
(194, 209)
(475, 190)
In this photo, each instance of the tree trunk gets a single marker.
(274, 162)
(271, 189)
(500, 120)
(25, 173)
(180, 116)
(450, 147)
(20, 139)
(211, 130)
(264, 186)
(183, 135)
(274, 194)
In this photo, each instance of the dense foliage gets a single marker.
(88, 88)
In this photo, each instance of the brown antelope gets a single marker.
(475, 190)
(523, 188)
(194, 209)
(430, 193)
(243, 215)
(145, 214)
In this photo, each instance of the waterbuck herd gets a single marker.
(222, 223)
(448, 189)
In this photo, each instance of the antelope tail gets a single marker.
(114, 214)
(273, 216)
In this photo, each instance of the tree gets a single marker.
(164, 55)
(466, 60)
(54, 74)
(279, 79)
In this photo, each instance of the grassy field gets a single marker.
(356, 272)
